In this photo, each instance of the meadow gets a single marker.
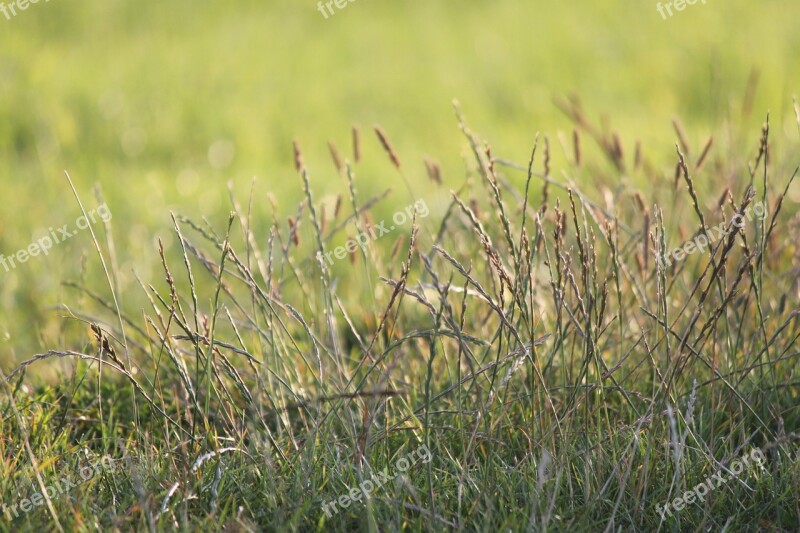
(578, 319)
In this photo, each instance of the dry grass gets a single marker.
(561, 377)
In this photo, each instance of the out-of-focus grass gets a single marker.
(131, 96)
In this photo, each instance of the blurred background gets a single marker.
(156, 106)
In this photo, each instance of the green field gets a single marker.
(131, 96)
(191, 109)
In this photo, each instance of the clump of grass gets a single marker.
(562, 377)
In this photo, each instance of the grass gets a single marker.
(561, 379)
(133, 105)
(521, 331)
